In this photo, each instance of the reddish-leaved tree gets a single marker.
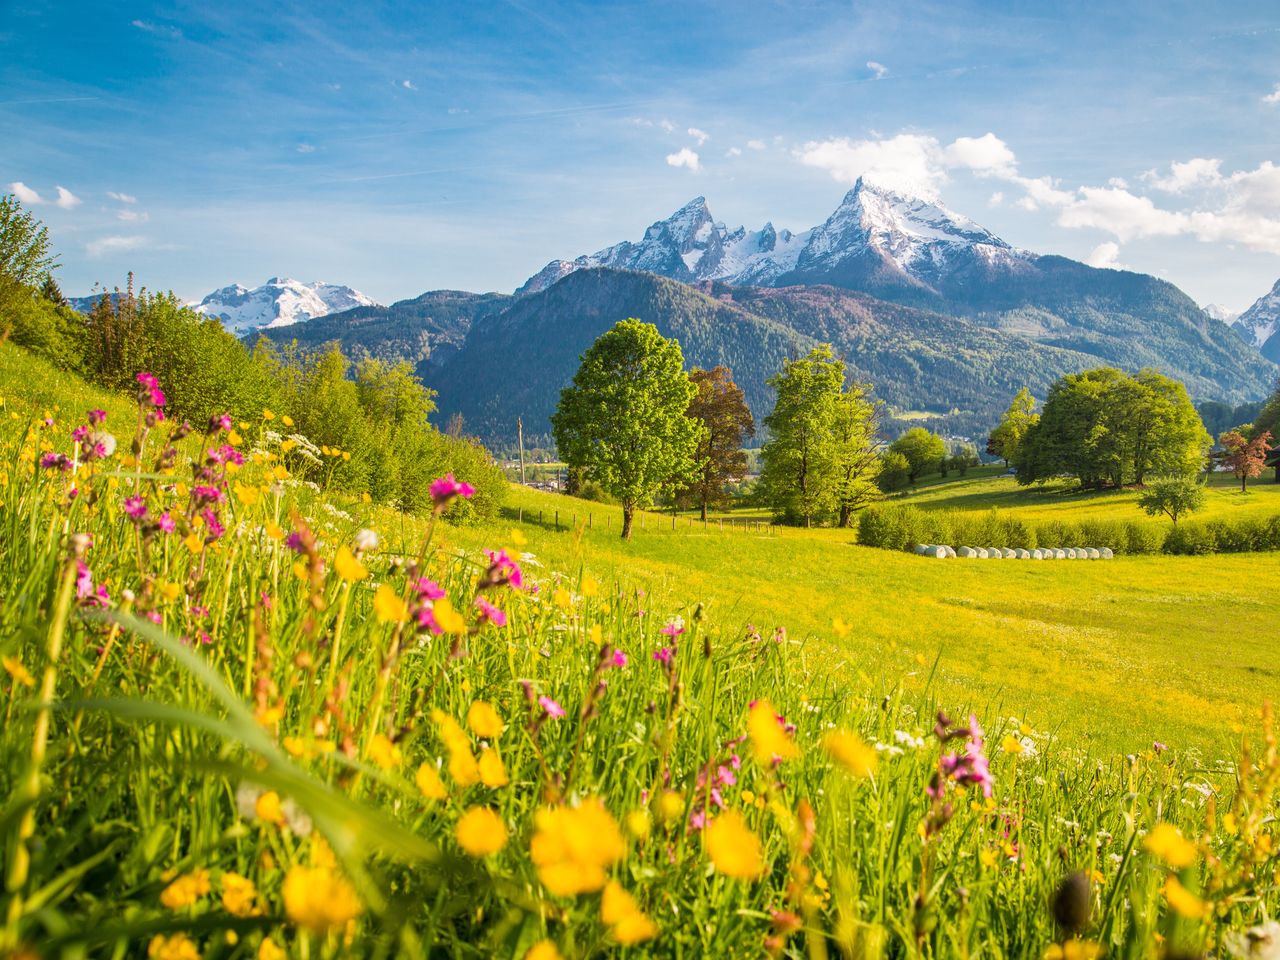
(1244, 457)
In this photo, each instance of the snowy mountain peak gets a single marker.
(1220, 312)
(279, 302)
(1261, 322)
(912, 234)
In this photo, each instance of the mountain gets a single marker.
(426, 330)
(279, 302)
(1260, 324)
(955, 372)
(1219, 312)
(876, 239)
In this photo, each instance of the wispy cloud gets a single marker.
(408, 85)
(159, 29)
(305, 148)
(122, 197)
(66, 199)
(105, 246)
(684, 157)
(1105, 255)
(878, 70)
(701, 136)
(1274, 96)
(132, 216)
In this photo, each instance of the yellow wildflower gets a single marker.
(517, 537)
(671, 805)
(428, 780)
(1011, 744)
(238, 894)
(287, 445)
(768, 738)
(319, 898)
(1167, 842)
(989, 858)
(543, 950)
(573, 847)
(294, 746)
(1074, 950)
(274, 530)
(279, 472)
(619, 910)
(562, 598)
(268, 415)
(388, 605)
(481, 832)
(595, 634)
(234, 438)
(1183, 901)
(852, 753)
(13, 666)
(246, 495)
(268, 950)
(193, 543)
(638, 824)
(287, 420)
(448, 619)
(733, 848)
(492, 772)
(170, 591)
(840, 628)
(185, 890)
(383, 752)
(267, 808)
(590, 586)
(348, 567)
(176, 947)
(484, 720)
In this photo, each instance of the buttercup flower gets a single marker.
(481, 832)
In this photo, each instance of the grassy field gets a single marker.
(1071, 646)
(285, 723)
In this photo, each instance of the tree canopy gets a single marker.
(1106, 427)
(719, 405)
(1006, 438)
(1173, 496)
(624, 420)
(923, 451)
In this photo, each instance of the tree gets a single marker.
(922, 449)
(25, 260)
(1106, 427)
(893, 471)
(857, 448)
(1017, 420)
(964, 456)
(1174, 496)
(1244, 457)
(800, 469)
(720, 407)
(624, 418)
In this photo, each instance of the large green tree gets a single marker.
(1106, 427)
(924, 451)
(722, 410)
(25, 261)
(855, 428)
(624, 419)
(800, 471)
(1017, 420)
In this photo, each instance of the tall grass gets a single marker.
(273, 732)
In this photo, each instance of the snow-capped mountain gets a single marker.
(1260, 324)
(1219, 312)
(278, 303)
(876, 234)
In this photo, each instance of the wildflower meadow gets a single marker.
(241, 720)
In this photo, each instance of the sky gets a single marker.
(399, 148)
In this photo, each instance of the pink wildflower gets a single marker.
(55, 461)
(618, 660)
(84, 580)
(489, 613)
(553, 709)
(446, 488)
(165, 523)
(97, 416)
(673, 628)
(503, 571)
(135, 507)
(664, 655)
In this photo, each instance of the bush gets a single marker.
(1191, 539)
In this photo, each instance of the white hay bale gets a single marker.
(980, 552)
(1022, 554)
(1094, 553)
(1037, 554)
(1059, 554)
(1106, 553)
(951, 553)
(1010, 554)
(938, 553)
(1070, 553)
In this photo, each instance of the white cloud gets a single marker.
(683, 158)
(909, 161)
(1122, 213)
(700, 135)
(667, 125)
(132, 216)
(305, 148)
(879, 69)
(1273, 96)
(1106, 255)
(987, 156)
(104, 246)
(756, 144)
(733, 152)
(1118, 182)
(122, 197)
(66, 199)
(408, 85)
(24, 193)
(997, 198)
(161, 29)
(1197, 172)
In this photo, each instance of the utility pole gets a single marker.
(520, 434)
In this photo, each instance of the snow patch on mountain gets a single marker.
(1219, 312)
(279, 302)
(1261, 321)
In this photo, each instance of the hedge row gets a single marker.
(902, 527)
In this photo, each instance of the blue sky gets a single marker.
(405, 147)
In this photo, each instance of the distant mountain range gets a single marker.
(944, 318)
(280, 302)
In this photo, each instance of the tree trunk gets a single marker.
(844, 515)
(1244, 479)
(704, 509)
(628, 510)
